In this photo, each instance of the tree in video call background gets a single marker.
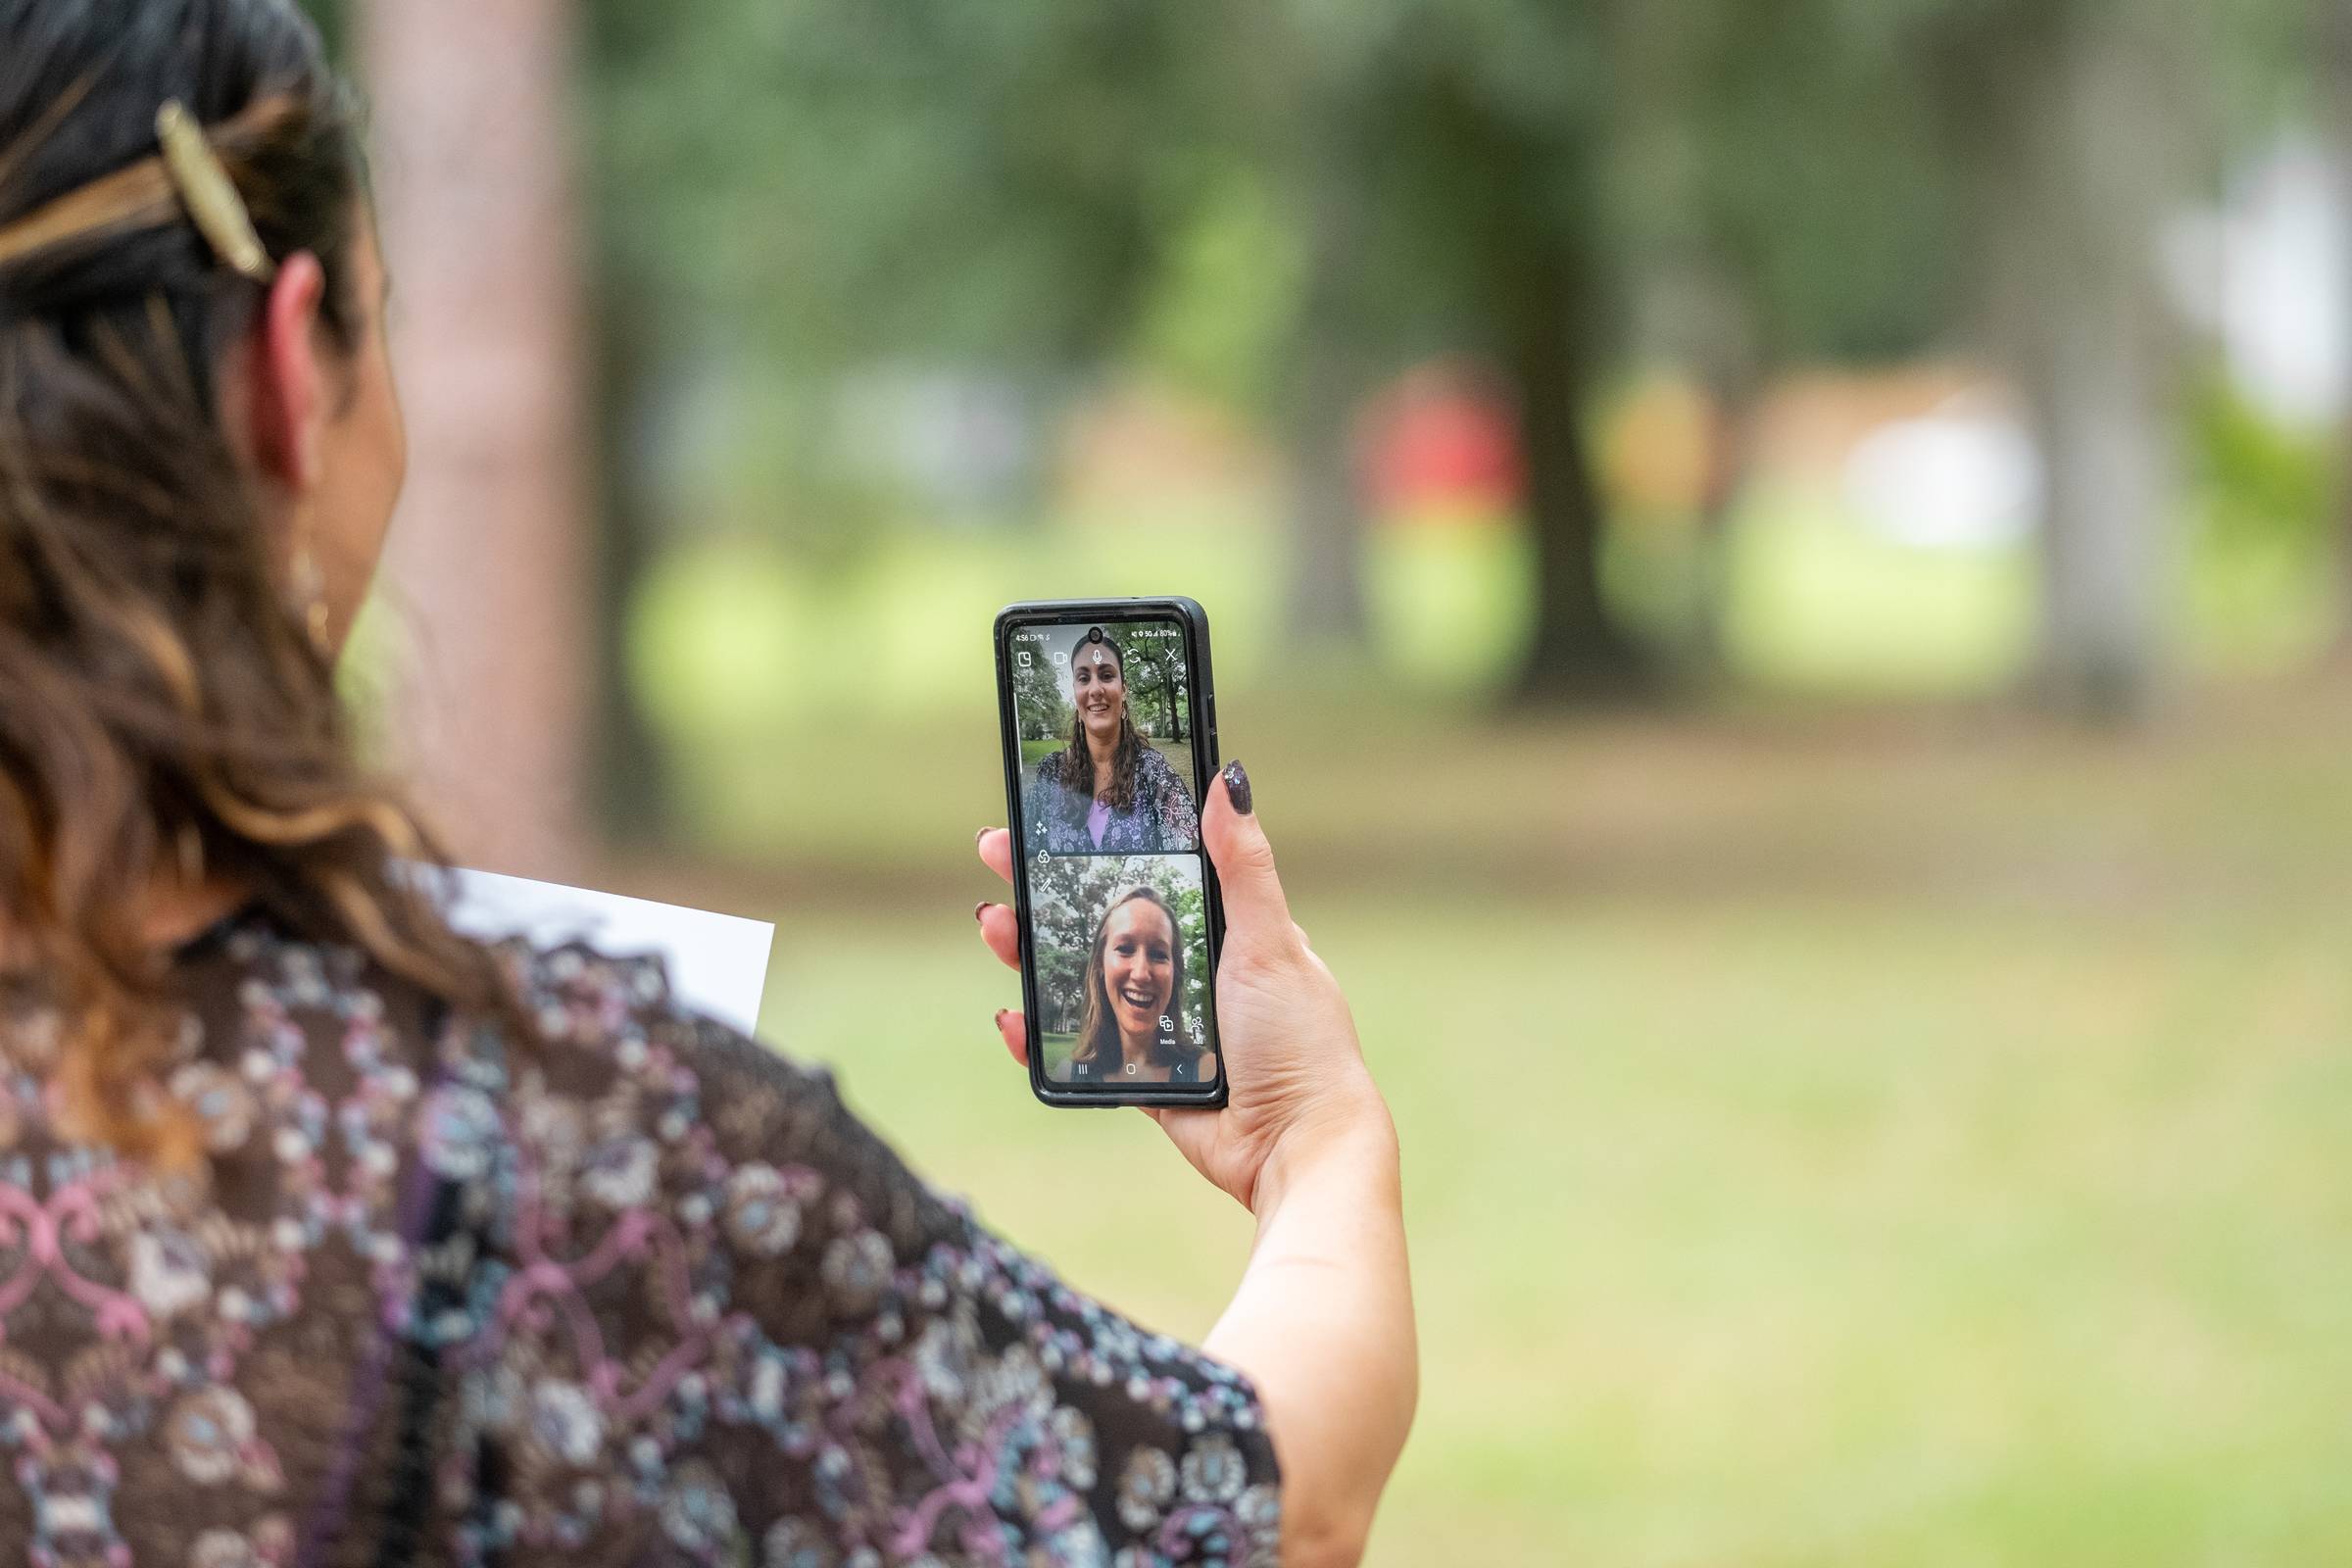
(1070, 894)
(1156, 688)
(1040, 708)
(1156, 692)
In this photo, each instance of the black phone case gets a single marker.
(1204, 708)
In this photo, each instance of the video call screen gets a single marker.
(1112, 776)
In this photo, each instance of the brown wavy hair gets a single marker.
(1126, 758)
(164, 715)
(1098, 1026)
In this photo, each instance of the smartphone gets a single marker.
(1110, 743)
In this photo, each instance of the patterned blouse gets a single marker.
(644, 1292)
(1161, 821)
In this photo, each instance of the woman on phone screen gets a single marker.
(334, 1238)
(1110, 790)
(1132, 1029)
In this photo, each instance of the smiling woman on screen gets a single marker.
(333, 1238)
(1133, 1028)
(1110, 790)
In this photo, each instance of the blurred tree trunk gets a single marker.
(2083, 320)
(1326, 386)
(1538, 291)
(1579, 652)
(1733, 407)
(633, 798)
(1731, 371)
(1327, 515)
(489, 562)
(1536, 285)
(1167, 691)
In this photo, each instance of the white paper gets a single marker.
(718, 963)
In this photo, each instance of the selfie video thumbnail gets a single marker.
(1122, 969)
(1104, 716)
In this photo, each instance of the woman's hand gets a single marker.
(1295, 1073)
(1323, 1320)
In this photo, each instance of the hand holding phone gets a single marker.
(1322, 1322)
(1298, 1075)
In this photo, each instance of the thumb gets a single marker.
(1245, 861)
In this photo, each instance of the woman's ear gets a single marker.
(286, 402)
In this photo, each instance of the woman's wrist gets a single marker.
(1350, 1127)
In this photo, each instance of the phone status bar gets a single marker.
(1125, 630)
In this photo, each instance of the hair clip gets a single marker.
(210, 195)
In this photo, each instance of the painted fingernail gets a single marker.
(1237, 787)
(1000, 1012)
(980, 909)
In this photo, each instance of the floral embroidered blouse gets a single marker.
(641, 1293)
(1162, 819)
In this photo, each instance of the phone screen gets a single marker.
(1113, 766)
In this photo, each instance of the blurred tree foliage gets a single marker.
(333, 18)
(1282, 203)
(843, 182)
(2259, 484)
(1279, 204)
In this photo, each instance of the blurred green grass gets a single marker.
(1875, 1138)
(1835, 1133)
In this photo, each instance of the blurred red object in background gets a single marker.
(1438, 445)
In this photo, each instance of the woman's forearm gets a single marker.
(1323, 1324)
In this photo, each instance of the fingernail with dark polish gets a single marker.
(1000, 1012)
(1237, 786)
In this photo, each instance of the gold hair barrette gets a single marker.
(210, 195)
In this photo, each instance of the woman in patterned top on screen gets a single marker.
(1110, 790)
(327, 1237)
